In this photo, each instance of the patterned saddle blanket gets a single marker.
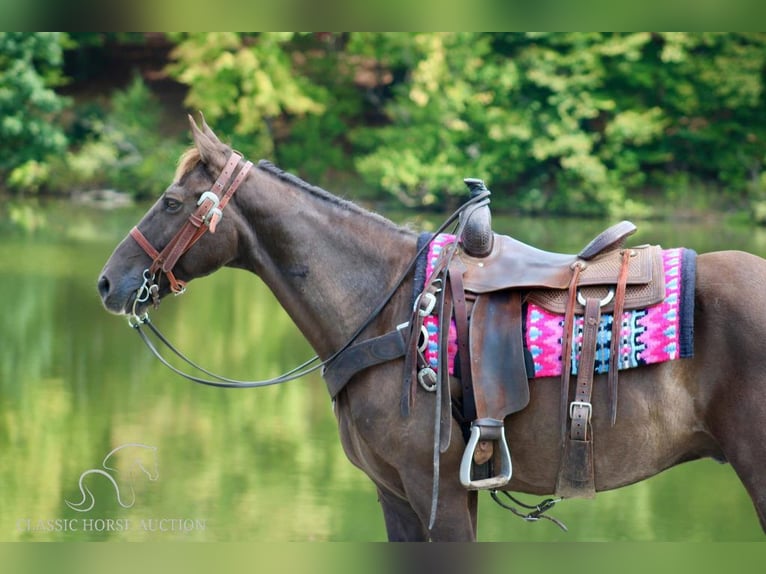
(661, 332)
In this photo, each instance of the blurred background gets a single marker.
(571, 131)
(645, 124)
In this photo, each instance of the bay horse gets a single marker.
(328, 262)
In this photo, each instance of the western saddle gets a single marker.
(481, 282)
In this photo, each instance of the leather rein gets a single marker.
(205, 218)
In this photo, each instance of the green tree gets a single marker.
(572, 122)
(588, 123)
(245, 83)
(29, 106)
(509, 108)
(123, 148)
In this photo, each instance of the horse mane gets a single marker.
(322, 194)
(191, 158)
(292, 179)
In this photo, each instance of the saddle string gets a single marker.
(538, 510)
(135, 321)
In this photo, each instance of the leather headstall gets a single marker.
(206, 217)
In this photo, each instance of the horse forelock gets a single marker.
(187, 162)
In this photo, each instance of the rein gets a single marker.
(207, 215)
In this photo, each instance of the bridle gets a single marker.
(205, 218)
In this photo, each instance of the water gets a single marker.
(243, 465)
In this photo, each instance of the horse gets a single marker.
(328, 261)
(119, 467)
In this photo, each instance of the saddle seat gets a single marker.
(515, 265)
(545, 276)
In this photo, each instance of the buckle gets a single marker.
(587, 406)
(214, 214)
(136, 321)
(428, 297)
(430, 302)
(427, 379)
(209, 195)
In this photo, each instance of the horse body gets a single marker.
(329, 262)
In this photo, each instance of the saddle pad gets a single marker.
(657, 333)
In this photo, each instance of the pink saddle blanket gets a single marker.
(662, 332)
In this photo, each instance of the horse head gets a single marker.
(184, 235)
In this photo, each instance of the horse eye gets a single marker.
(172, 204)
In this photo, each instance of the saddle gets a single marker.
(485, 279)
(481, 282)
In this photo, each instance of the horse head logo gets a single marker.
(121, 467)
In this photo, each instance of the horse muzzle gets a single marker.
(119, 297)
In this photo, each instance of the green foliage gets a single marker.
(315, 144)
(123, 148)
(244, 83)
(431, 141)
(566, 122)
(29, 106)
(585, 123)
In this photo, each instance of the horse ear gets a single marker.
(207, 131)
(211, 150)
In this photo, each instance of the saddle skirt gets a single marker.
(650, 334)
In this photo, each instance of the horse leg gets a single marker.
(736, 423)
(402, 522)
(737, 411)
(751, 476)
(456, 515)
(457, 510)
(397, 454)
(744, 446)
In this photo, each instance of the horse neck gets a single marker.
(327, 261)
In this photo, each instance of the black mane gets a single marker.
(324, 195)
(269, 167)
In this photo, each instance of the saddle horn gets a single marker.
(477, 236)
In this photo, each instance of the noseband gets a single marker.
(206, 217)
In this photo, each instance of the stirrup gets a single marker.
(486, 429)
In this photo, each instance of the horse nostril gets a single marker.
(103, 286)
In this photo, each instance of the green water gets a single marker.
(244, 465)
